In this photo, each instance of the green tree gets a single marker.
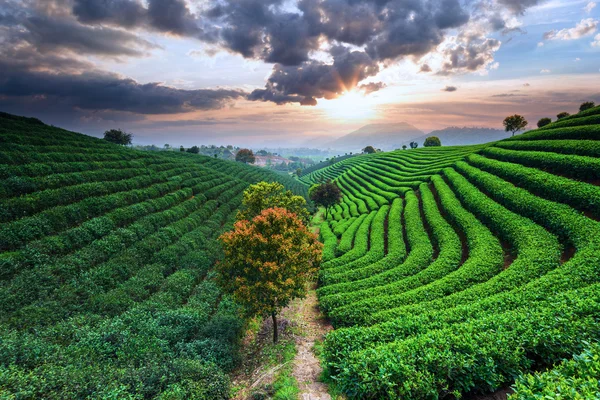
(562, 115)
(194, 150)
(543, 122)
(298, 171)
(432, 141)
(325, 194)
(181, 148)
(117, 136)
(268, 262)
(263, 195)
(369, 150)
(586, 106)
(403, 147)
(246, 156)
(413, 145)
(514, 123)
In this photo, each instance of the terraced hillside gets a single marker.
(453, 271)
(106, 267)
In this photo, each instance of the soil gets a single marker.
(312, 326)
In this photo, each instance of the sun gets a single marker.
(351, 105)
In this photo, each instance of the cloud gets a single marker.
(450, 89)
(526, 85)
(97, 91)
(472, 56)
(589, 7)
(519, 6)
(166, 16)
(425, 68)
(316, 79)
(371, 87)
(596, 42)
(545, 71)
(584, 28)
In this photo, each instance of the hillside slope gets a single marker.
(455, 136)
(451, 271)
(106, 267)
(381, 136)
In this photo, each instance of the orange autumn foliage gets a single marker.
(268, 261)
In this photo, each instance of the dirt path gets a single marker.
(312, 326)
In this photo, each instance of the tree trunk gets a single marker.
(274, 327)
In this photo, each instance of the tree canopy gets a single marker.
(543, 122)
(432, 141)
(117, 136)
(194, 150)
(268, 262)
(263, 195)
(414, 145)
(514, 123)
(246, 156)
(369, 150)
(325, 194)
(562, 115)
(586, 106)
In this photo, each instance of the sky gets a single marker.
(293, 72)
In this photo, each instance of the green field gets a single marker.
(106, 273)
(446, 271)
(453, 271)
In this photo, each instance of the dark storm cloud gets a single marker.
(97, 91)
(470, 56)
(315, 79)
(450, 89)
(48, 34)
(167, 16)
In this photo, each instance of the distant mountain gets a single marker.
(380, 136)
(455, 136)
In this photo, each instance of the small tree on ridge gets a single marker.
(543, 122)
(514, 123)
(432, 141)
(117, 136)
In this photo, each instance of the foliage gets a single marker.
(514, 123)
(325, 194)
(268, 262)
(403, 147)
(432, 141)
(245, 155)
(571, 379)
(586, 106)
(194, 150)
(414, 145)
(369, 150)
(112, 250)
(562, 115)
(543, 122)
(117, 136)
(263, 195)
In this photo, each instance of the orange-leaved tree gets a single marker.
(268, 262)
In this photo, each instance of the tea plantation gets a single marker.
(106, 270)
(456, 271)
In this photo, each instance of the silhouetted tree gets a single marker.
(403, 147)
(543, 122)
(181, 148)
(369, 150)
(246, 156)
(514, 123)
(117, 136)
(586, 106)
(413, 145)
(562, 115)
(325, 194)
(432, 141)
(194, 150)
